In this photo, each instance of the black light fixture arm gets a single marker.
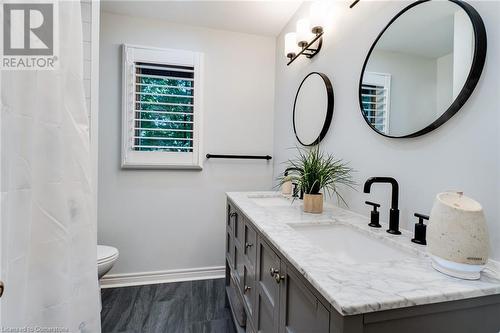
(354, 4)
(307, 50)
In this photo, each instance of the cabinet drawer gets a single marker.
(250, 244)
(230, 249)
(239, 265)
(237, 308)
(249, 327)
(249, 288)
(239, 228)
(230, 218)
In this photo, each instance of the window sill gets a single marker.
(130, 166)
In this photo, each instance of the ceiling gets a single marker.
(426, 30)
(254, 17)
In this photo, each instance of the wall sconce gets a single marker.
(306, 41)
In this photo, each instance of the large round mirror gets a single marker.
(313, 109)
(422, 68)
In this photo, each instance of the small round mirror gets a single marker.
(422, 68)
(313, 109)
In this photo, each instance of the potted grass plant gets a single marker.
(316, 172)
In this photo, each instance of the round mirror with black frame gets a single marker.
(313, 109)
(422, 68)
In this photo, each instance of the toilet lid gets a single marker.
(105, 252)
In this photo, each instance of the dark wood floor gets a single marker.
(185, 307)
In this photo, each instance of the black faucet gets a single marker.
(394, 211)
(294, 191)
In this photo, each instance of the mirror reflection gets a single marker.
(417, 68)
(313, 109)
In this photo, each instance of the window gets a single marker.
(375, 97)
(162, 113)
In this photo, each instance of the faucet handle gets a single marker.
(420, 229)
(374, 204)
(421, 217)
(375, 215)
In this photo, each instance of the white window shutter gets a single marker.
(375, 98)
(162, 108)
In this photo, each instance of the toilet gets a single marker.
(106, 258)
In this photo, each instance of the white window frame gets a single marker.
(158, 159)
(383, 80)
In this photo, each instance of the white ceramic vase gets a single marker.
(457, 236)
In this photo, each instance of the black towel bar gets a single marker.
(245, 157)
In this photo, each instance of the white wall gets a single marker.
(444, 83)
(462, 154)
(163, 219)
(412, 77)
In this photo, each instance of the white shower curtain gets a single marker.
(48, 235)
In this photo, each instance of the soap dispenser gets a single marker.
(375, 215)
(420, 229)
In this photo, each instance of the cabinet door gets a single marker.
(249, 328)
(239, 265)
(250, 243)
(249, 288)
(230, 249)
(228, 217)
(300, 310)
(266, 312)
(239, 227)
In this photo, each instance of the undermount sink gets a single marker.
(349, 245)
(271, 201)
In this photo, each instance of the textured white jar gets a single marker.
(287, 188)
(457, 236)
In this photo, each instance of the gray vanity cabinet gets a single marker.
(241, 244)
(300, 310)
(273, 295)
(276, 298)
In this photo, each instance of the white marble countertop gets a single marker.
(360, 288)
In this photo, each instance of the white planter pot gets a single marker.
(313, 203)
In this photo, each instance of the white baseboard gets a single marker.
(176, 275)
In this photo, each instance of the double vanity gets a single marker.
(289, 271)
(340, 272)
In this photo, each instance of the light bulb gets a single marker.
(291, 48)
(317, 16)
(303, 32)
